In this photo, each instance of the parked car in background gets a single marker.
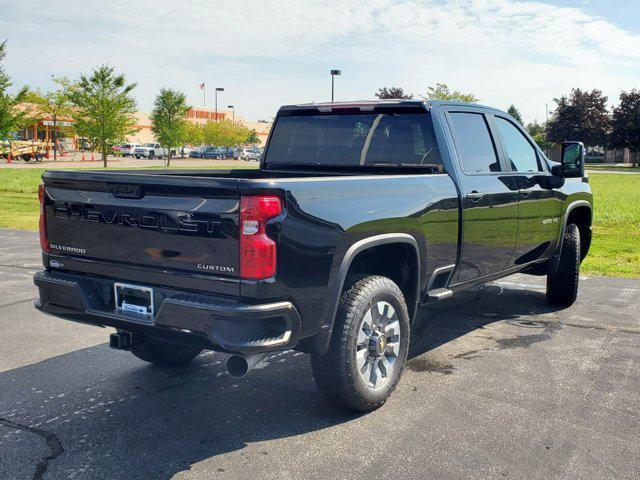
(250, 154)
(230, 152)
(216, 153)
(197, 152)
(223, 152)
(128, 149)
(150, 150)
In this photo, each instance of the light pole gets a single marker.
(233, 113)
(333, 74)
(55, 125)
(218, 89)
(55, 139)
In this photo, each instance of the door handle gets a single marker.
(475, 196)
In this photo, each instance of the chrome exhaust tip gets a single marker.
(239, 365)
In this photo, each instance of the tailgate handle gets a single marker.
(127, 191)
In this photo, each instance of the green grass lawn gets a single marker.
(615, 250)
(19, 198)
(613, 167)
(19, 194)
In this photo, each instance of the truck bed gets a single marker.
(180, 228)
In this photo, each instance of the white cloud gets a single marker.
(271, 52)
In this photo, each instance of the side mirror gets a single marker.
(572, 163)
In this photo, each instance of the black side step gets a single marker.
(439, 294)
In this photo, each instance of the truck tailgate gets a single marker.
(166, 223)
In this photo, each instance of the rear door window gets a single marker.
(474, 144)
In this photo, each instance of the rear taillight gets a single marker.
(44, 242)
(257, 250)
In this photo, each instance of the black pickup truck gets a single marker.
(359, 213)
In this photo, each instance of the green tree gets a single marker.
(55, 104)
(225, 133)
(169, 118)
(625, 124)
(515, 113)
(252, 137)
(535, 127)
(194, 134)
(539, 135)
(581, 116)
(392, 93)
(442, 92)
(12, 116)
(104, 108)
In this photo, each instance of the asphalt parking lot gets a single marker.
(499, 385)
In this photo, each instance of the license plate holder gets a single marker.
(134, 299)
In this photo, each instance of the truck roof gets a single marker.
(426, 104)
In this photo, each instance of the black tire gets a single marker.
(163, 353)
(562, 286)
(336, 372)
(152, 154)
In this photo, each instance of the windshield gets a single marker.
(354, 139)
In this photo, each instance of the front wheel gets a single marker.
(562, 286)
(164, 353)
(368, 347)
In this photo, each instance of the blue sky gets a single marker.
(623, 13)
(272, 52)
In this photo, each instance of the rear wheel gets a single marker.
(164, 353)
(368, 348)
(562, 286)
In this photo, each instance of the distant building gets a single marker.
(197, 115)
(599, 155)
(42, 128)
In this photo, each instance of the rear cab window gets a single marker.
(354, 138)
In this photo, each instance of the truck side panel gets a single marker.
(326, 216)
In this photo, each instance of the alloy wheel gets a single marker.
(378, 344)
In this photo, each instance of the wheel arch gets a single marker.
(357, 253)
(579, 212)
